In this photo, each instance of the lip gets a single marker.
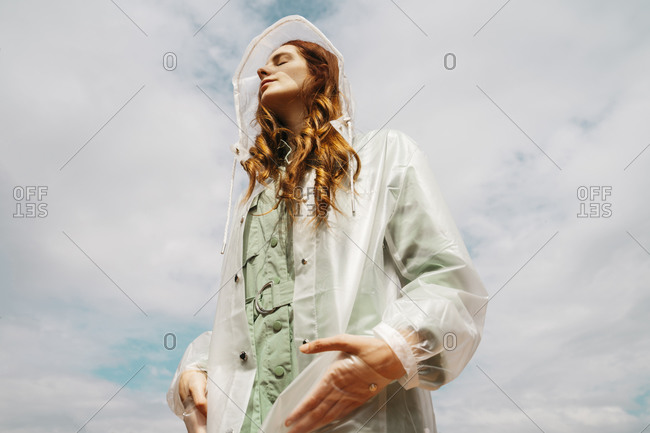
(265, 82)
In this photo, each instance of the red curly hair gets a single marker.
(318, 145)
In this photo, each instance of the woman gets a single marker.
(347, 291)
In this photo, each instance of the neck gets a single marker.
(295, 123)
(294, 116)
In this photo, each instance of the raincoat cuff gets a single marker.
(402, 350)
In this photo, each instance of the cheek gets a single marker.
(288, 85)
(298, 76)
(303, 77)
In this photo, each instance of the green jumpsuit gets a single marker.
(268, 263)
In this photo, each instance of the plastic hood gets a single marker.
(246, 85)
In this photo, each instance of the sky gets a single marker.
(534, 120)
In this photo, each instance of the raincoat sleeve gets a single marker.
(194, 358)
(435, 324)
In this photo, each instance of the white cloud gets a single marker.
(145, 198)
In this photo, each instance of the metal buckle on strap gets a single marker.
(256, 302)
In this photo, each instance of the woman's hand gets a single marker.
(367, 365)
(193, 382)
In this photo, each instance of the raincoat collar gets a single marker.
(246, 87)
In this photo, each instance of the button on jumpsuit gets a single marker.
(418, 290)
(268, 264)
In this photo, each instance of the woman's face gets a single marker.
(281, 78)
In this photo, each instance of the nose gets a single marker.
(262, 72)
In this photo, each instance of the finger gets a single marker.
(338, 410)
(197, 389)
(184, 386)
(342, 342)
(312, 419)
(342, 408)
(185, 382)
(320, 393)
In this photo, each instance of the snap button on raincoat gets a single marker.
(392, 266)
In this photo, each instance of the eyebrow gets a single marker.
(277, 56)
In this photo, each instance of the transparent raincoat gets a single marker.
(392, 266)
